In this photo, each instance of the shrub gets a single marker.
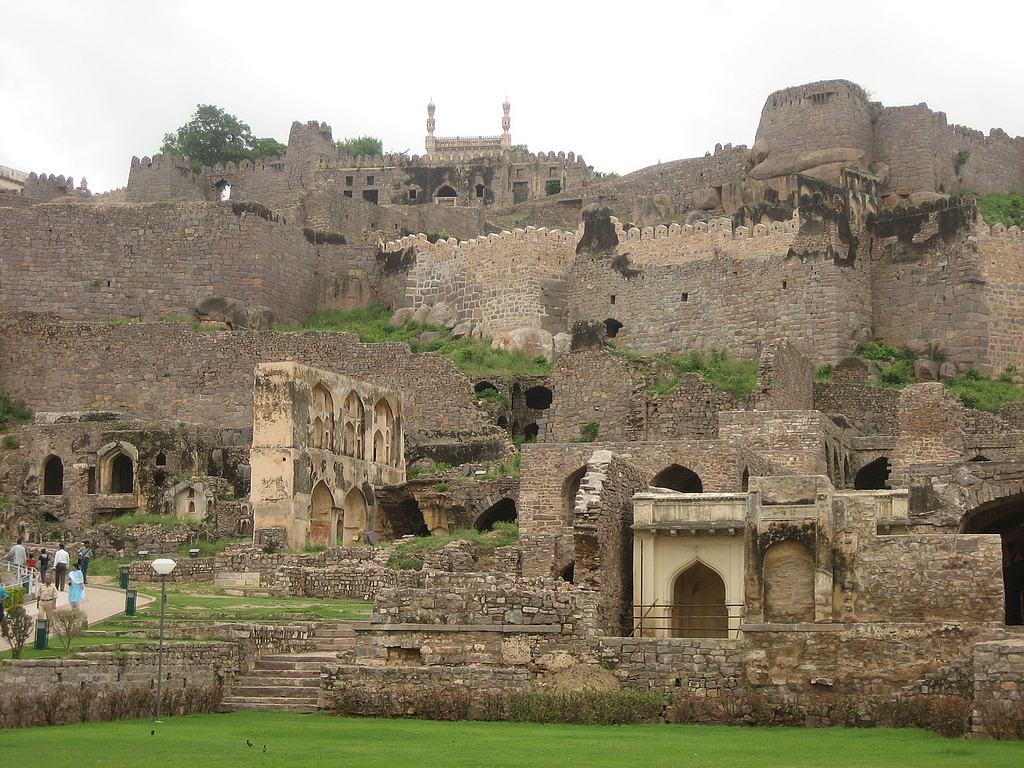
(12, 412)
(588, 433)
(975, 391)
(736, 376)
(1004, 720)
(491, 395)
(1002, 207)
(166, 521)
(960, 160)
(823, 373)
(409, 553)
(587, 707)
(439, 702)
(68, 623)
(880, 351)
(896, 376)
(17, 628)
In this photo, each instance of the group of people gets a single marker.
(35, 567)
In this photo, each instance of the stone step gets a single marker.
(272, 692)
(231, 704)
(306, 681)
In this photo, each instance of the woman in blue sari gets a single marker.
(76, 586)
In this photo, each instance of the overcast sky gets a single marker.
(86, 85)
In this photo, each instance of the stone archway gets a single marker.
(53, 476)
(571, 487)
(873, 476)
(678, 478)
(1005, 516)
(502, 511)
(321, 514)
(698, 603)
(352, 524)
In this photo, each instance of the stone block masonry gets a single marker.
(168, 370)
(118, 261)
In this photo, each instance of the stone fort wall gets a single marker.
(505, 281)
(168, 370)
(1001, 262)
(119, 261)
(676, 289)
(821, 115)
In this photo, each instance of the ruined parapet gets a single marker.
(816, 116)
(931, 423)
(162, 178)
(44, 188)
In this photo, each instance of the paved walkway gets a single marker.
(99, 603)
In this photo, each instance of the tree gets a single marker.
(68, 624)
(213, 136)
(17, 624)
(368, 146)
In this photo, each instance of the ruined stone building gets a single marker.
(818, 537)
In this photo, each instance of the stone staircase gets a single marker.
(290, 682)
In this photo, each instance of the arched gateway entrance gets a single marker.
(1005, 516)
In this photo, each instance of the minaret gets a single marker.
(431, 144)
(506, 137)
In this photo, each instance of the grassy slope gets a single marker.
(320, 740)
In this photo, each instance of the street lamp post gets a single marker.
(163, 566)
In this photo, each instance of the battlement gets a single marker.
(817, 93)
(529, 234)
(399, 160)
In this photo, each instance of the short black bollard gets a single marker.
(122, 575)
(42, 630)
(130, 596)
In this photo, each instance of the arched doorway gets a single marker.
(698, 603)
(353, 523)
(677, 478)
(321, 510)
(122, 474)
(538, 398)
(788, 583)
(745, 479)
(53, 476)
(445, 195)
(873, 476)
(503, 511)
(612, 327)
(570, 487)
(1005, 516)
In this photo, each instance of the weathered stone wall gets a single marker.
(870, 409)
(821, 115)
(113, 262)
(998, 689)
(603, 539)
(1001, 260)
(504, 281)
(717, 287)
(930, 429)
(207, 377)
(794, 440)
(785, 381)
(927, 284)
(590, 386)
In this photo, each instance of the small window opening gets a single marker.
(348, 181)
(684, 296)
(223, 190)
(783, 285)
(161, 459)
(479, 190)
(369, 179)
(412, 194)
(613, 298)
(348, 193)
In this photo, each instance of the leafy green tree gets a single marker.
(361, 145)
(213, 136)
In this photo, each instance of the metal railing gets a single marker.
(14, 575)
(696, 620)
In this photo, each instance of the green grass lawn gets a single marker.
(321, 740)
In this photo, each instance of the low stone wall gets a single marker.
(999, 689)
(704, 666)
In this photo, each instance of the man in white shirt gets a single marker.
(61, 559)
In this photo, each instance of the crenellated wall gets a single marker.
(505, 281)
(821, 115)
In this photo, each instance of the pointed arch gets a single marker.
(352, 523)
(699, 603)
(503, 510)
(116, 468)
(678, 478)
(873, 476)
(571, 487)
(53, 476)
(322, 429)
(383, 431)
(1005, 516)
(355, 425)
(321, 514)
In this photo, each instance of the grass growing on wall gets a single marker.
(1002, 208)
(12, 412)
(471, 356)
(985, 394)
(737, 376)
(409, 554)
(165, 521)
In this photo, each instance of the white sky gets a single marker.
(86, 85)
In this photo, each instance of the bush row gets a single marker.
(72, 704)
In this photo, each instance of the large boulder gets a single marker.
(926, 370)
(562, 343)
(533, 342)
(759, 152)
(440, 314)
(235, 314)
(421, 314)
(707, 199)
(401, 316)
(917, 199)
(795, 162)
